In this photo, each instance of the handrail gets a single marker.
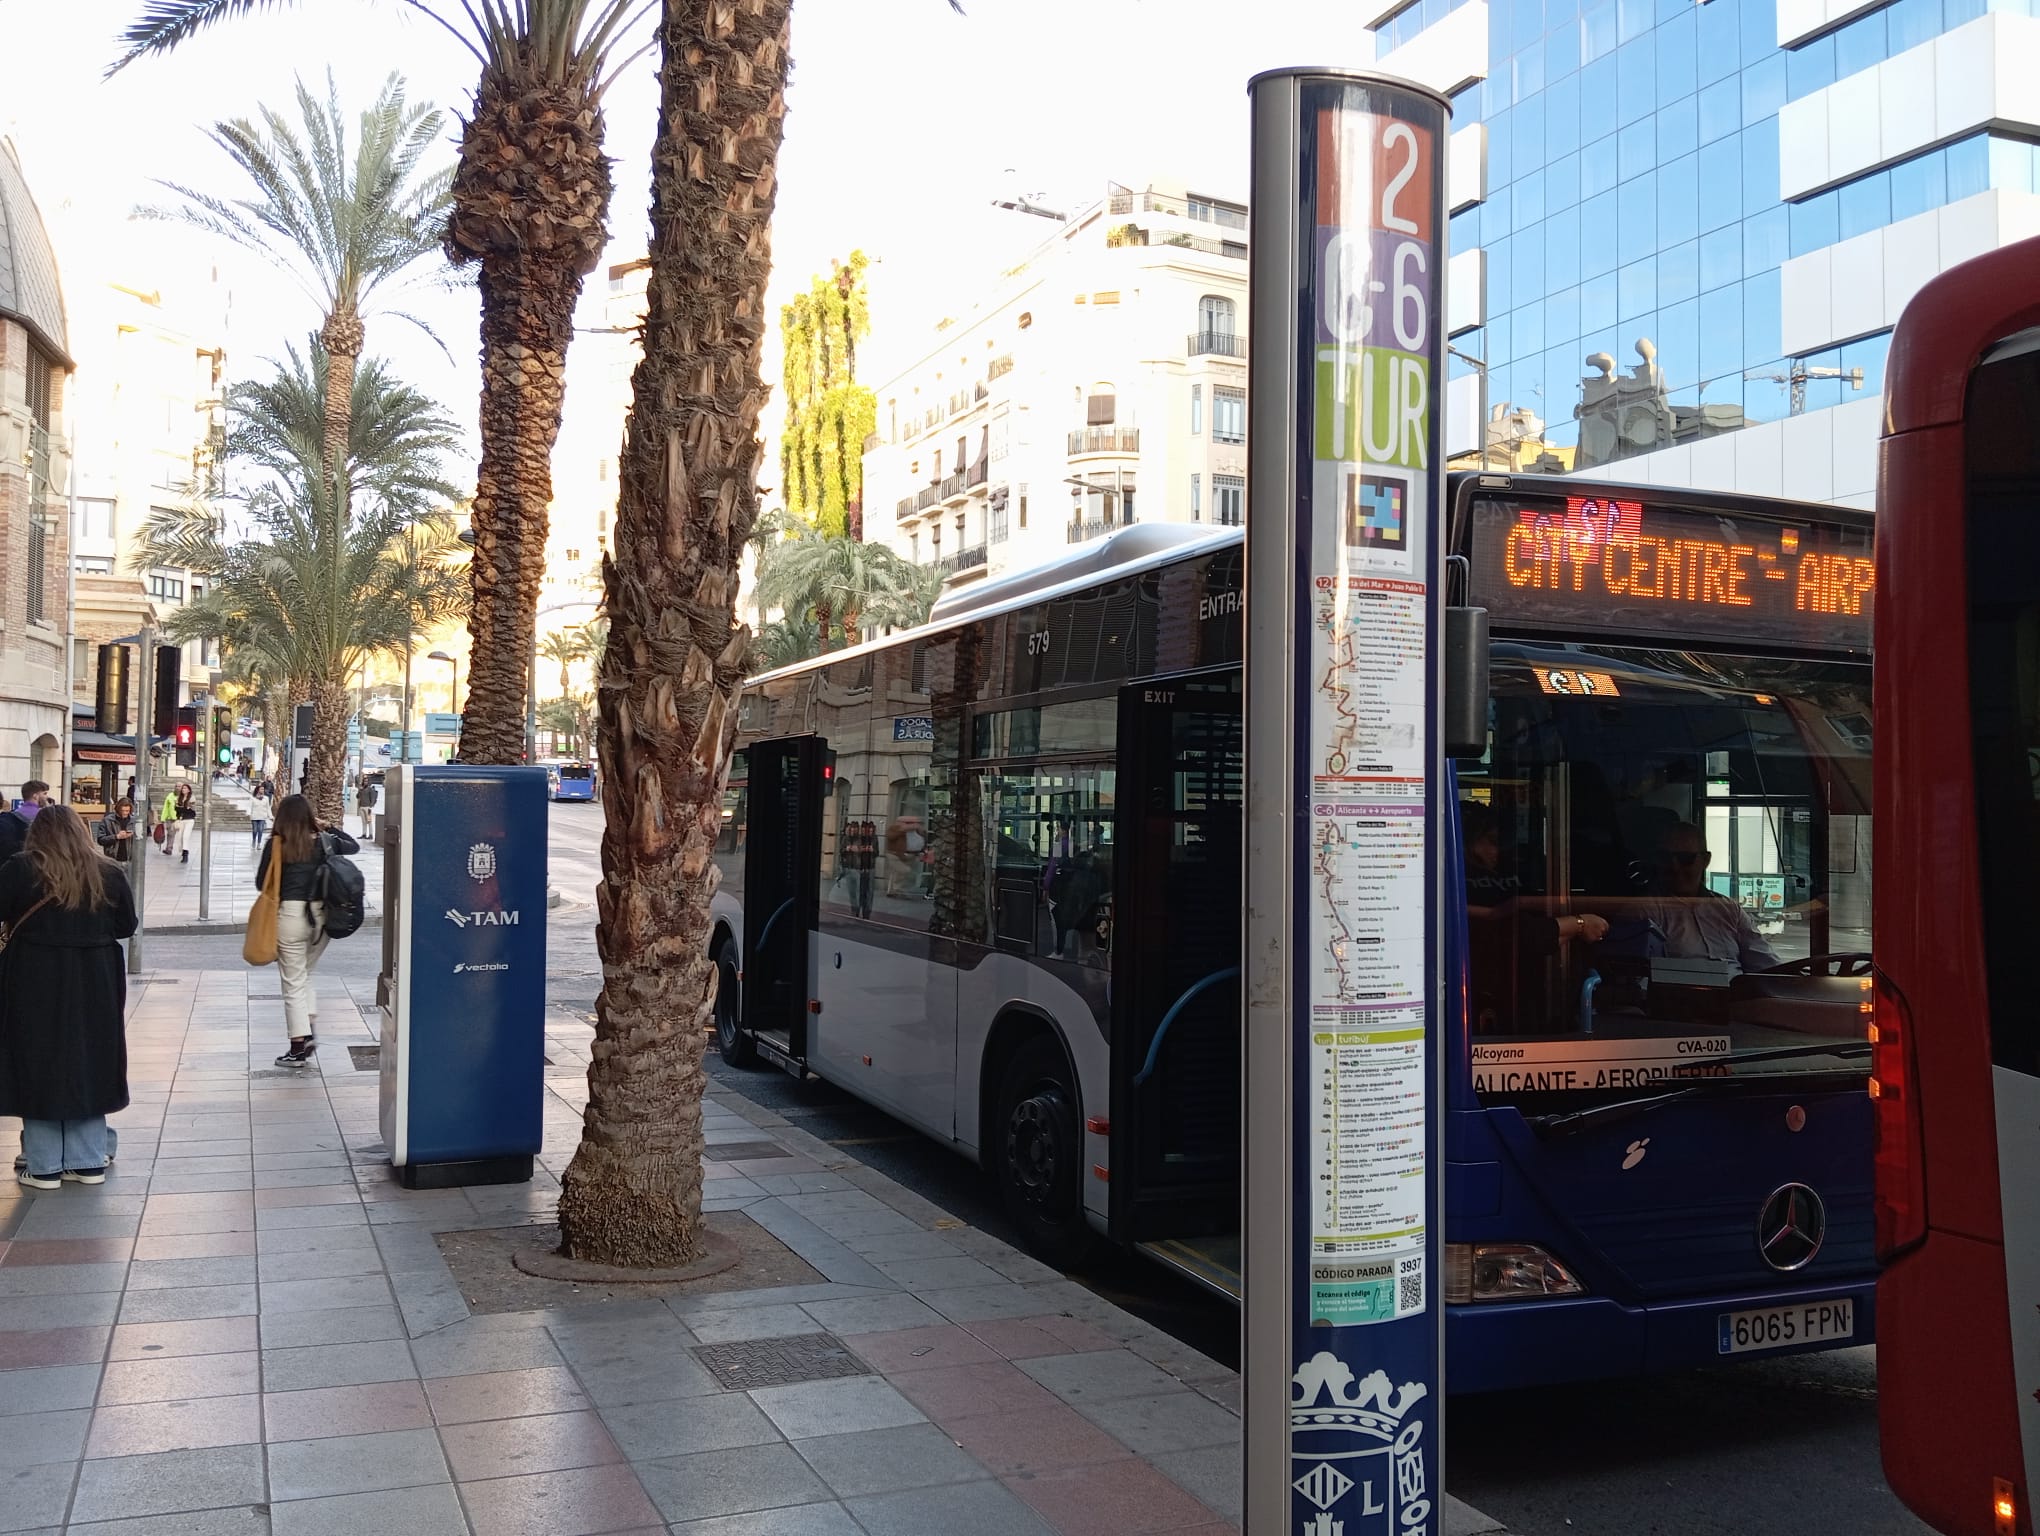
(765, 933)
(1154, 1054)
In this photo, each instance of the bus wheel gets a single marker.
(1039, 1147)
(730, 1038)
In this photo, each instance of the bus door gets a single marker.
(1175, 975)
(782, 893)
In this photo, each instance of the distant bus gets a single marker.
(1957, 1073)
(987, 876)
(571, 781)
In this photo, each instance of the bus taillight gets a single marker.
(1901, 1207)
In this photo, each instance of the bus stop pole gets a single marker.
(138, 850)
(205, 777)
(1343, 978)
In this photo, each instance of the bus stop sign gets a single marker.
(1345, 794)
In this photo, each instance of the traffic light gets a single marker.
(186, 730)
(111, 712)
(222, 735)
(169, 665)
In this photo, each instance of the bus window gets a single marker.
(1048, 850)
(729, 839)
(1669, 853)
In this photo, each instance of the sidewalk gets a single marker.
(251, 1328)
(170, 894)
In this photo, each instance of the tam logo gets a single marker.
(461, 919)
(1634, 1154)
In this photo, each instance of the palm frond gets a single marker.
(164, 24)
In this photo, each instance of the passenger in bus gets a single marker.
(1698, 923)
(1508, 931)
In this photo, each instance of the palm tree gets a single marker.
(782, 642)
(428, 582)
(344, 226)
(844, 582)
(530, 205)
(565, 646)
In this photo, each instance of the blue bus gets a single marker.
(571, 781)
(987, 877)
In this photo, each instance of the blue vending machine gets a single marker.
(462, 988)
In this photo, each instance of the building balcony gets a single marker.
(927, 498)
(1217, 344)
(1084, 529)
(956, 487)
(1092, 440)
(969, 558)
(904, 509)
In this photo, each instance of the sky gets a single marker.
(905, 121)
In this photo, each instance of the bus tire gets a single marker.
(1038, 1153)
(736, 1047)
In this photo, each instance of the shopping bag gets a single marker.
(159, 832)
(259, 946)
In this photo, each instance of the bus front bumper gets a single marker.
(1498, 1346)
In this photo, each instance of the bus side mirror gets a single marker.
(1466, 682)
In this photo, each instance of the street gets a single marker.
(1764, 1448)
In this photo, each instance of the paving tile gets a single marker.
(1025, 1442)
(201, 1183)
(333, 1325)
(884, 1460)
(314, 1295)
(983, 1509)
(52, 1346)
(1096, 1375)
(871, 1314)
(457, 1352)
(576, 1502)
(751, 1323)
(645, 1431)
(162, 1274)
(337, 1365)
(196, 1245)
(201, 1336)
(969, 1303)
(188, 1303)
(935, 1274)
(238, 1520)
(171, 1378)
(657, 1376)
(34, 1438)
(35, 1496)
(919, 1349)
(67, 1250)
(433, 1510)
(22, 1313)
(504, 1395)
(169, 1482)
(327, 1411)
(299, 1217)
(551, 1442)
(830, 1519)
(1107, 1500)
(315, 1469)
(1028, 1338)
(1212, 1480)
(1177, 1420)
(731, 1482)
(319, 1264)
(47, 1389)
(188, 1223)
(307, 1239)
(71, 1223)
(963, 1391)
(841, 1406)
(277, 1198)
(139, 1429)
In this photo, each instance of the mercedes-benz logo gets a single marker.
(1791, 1227)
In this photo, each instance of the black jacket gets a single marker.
(13, 832)
(63, 988)
(106, 830)
(301, 881)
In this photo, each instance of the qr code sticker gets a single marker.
(1410, 1291)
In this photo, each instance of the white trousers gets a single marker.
(300, 940)
(174, 834)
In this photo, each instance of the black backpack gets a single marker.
(344, 892)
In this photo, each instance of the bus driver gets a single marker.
(1699, 923)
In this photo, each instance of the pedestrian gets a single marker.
(115, 832)
(369, 796)
(15, 819)
(300, 920)
(179, 812)
(63, 990)
(259, 800)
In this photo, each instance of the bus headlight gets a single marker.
(1505, 1272)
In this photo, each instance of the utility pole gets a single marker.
(211, 758)
(138, 855)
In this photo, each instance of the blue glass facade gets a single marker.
(1633, 192)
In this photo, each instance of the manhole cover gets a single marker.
(739, 1151)
(779, 1362)
(367, 1058)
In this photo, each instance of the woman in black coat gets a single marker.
(63, 994)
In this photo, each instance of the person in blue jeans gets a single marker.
(63, 992)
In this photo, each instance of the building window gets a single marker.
(95, 519)
(914, 546)
(1196, 409)
(83, 664)
(1228, 499)
(1101, 409)
(169, 588)
(573, 555)
(38, 556)
(1197, 498)
(1023, 509)
(1228, 414)
(997, 522)
(40, 388)
(92, 565)
(1215, 315)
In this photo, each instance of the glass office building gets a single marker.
(1680, 224)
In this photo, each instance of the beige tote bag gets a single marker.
(259, 947)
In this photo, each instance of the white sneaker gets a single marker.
(37, 1181)
(85, 1175)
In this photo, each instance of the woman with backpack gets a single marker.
(63, 991)
(300, 919)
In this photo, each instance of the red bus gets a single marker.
(1956, 1061)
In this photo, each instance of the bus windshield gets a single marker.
(1667, 868)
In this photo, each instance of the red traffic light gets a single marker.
(187, 736)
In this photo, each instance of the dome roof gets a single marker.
(28, 267)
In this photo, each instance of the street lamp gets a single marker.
(453, 692)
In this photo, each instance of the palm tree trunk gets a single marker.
(329, 749)
(529, 199)
(676, 655)
(342, 337)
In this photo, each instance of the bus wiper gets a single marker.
(1575, 1121)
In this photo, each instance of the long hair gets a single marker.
(69, 867)
(297, 833)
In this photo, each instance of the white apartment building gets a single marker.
(1101, 381)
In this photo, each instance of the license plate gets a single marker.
(1804, 1322)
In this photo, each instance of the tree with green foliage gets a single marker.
(840, 584)
(828, 413)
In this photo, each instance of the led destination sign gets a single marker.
(1599, 564)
